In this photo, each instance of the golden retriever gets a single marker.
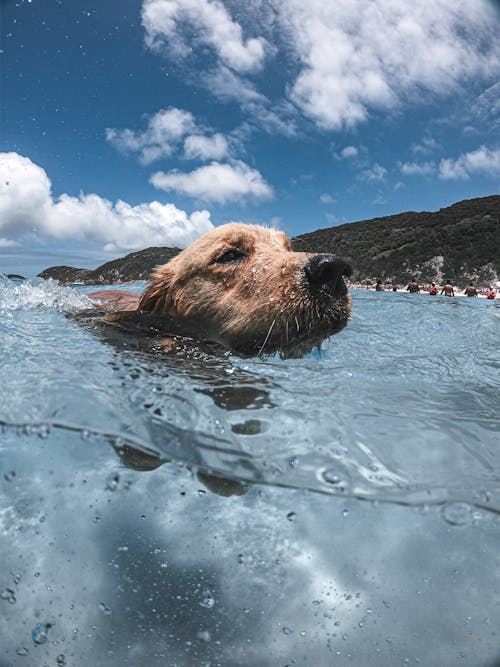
(243, 287)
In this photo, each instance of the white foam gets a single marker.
(39, 293)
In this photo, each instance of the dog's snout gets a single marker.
(327, 272)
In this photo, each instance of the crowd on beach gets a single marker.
(432, 289)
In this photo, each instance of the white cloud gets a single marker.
(373, 54)
(418, 168)
(483, 161)
(425, 147)
(164, 131)
(7, 243)
(349, 151)
(163, 135)
(326, 198)
(27, 207)
(375, 174)
(216, 182)
(208, 24)
(206, 148)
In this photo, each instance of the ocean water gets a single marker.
(341, 509)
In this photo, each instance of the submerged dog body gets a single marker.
(243, 286)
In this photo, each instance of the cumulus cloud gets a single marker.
(206, 148)
(349, 58)
(372, 54)
(27, 207)
(349, 151)
(374, 174)
(164, 132)
(216, 182)
(483, 160)
(418, 168)
(326, 198)
(208, 24)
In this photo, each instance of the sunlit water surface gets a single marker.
(401, 409)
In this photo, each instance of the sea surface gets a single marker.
(203, 509)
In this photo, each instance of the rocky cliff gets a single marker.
(459, 243)
(135, 266)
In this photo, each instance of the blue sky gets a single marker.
(131, 123)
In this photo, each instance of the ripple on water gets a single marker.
(403, 378)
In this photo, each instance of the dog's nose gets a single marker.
(327, 272)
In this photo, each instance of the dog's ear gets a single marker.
(156, 298)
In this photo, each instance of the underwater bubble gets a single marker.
(207, 600)
(10, 476)
(106, 610)
(336, 477)
(291, 516)
(203, 635)
(9, 595)
(22, 651)
(293, 461)
(457, 514)
(112, 481)
(39, 633)
(61, 660)
(286, 630)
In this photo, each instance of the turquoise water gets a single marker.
(126, 556)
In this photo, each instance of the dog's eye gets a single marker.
(233, 255)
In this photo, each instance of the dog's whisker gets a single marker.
(267, 337)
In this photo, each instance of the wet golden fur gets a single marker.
(256, 303)
(243, 286)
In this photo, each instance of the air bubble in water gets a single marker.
(22, 651)
(61, 660)
(112, 481)
(106, 610)
(336, 477)
(9, 595)
(10, 476)
(207, 600)
(39, 633)
(457, 514)
(291, 516)
(286, 630)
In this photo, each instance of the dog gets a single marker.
(241, 287)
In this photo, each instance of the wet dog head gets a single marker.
(243, 286)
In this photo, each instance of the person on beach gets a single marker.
(448, 289)
(379, 286)
(413, 287)
(491, 294)
(470, 291)
(433, 289)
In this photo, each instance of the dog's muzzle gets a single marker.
(326, 273)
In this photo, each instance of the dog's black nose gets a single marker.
(327, 272)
